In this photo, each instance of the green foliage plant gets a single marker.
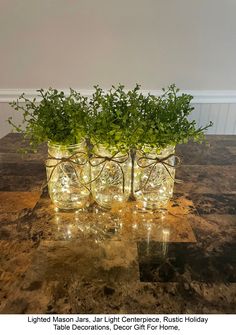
(128, 120)
(53, 117)
(118, 119)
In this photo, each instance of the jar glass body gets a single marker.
(154, 181)
(110, 176)
(67, 175)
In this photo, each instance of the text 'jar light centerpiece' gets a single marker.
(115, 146)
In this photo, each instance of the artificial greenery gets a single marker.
(118, 119)
(165, 120)
(130, 120)
(56, 118)
(115, 118)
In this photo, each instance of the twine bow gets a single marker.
(72, 162)
(157, 160)
(104, 160)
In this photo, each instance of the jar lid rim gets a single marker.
(63, 146)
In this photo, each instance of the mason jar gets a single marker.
(67, 175)
(154, 180)
(110, 175)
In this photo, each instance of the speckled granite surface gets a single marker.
(96, 262)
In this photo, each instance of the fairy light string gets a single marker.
(95, 160)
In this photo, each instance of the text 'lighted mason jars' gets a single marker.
(67, 174)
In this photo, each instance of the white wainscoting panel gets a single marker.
(222, 115)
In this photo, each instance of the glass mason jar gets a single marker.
(67, 175)
(110, 175)
(154, 181)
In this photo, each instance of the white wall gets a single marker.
(83, 42)
(79, 43)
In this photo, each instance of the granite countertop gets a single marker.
(102, 262)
